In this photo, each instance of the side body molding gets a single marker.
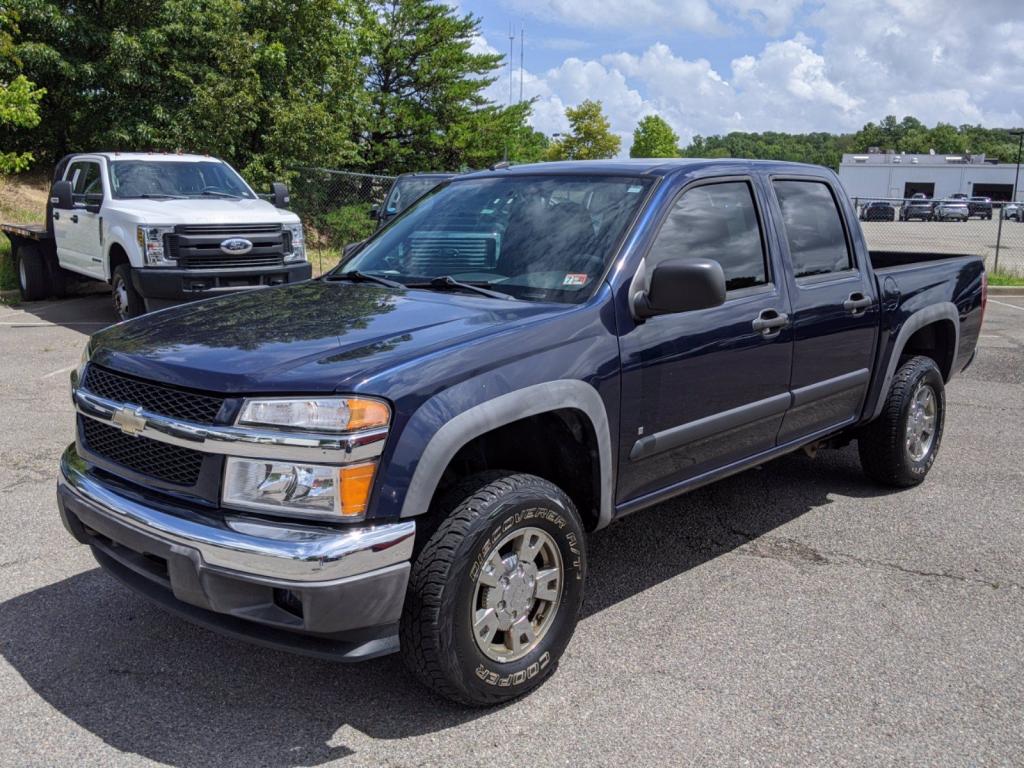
(943, 311)
(504, 409)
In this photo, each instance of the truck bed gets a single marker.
(26, 231)
(888, 259)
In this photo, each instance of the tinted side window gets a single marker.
(85, 180)
(719, 222)
(814, 228)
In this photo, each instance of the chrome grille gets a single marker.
(162, 461)
(167, 401)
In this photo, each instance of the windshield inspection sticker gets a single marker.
(576, 278)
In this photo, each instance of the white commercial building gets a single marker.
(889, 175)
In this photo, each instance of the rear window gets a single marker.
(814, 228)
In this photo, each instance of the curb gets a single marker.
(1006, 290)
(8, 295)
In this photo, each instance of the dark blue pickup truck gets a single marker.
(407, 454)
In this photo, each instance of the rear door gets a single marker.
(834, 308)
(705, 389)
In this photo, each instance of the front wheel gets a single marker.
(899, 447)
(128, 302)
(495, 593)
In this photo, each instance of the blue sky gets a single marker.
(711, 66)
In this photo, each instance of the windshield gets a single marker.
(407, 191)
(541, 238)
(177, 178)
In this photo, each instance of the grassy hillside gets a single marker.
(22, 201)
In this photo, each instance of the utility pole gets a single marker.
(511, 54)
(522, 66)
(1013, 197)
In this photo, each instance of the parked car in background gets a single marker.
(878, 210)
(951, 210)
(1013, 211)
(160, 229)
(980, 207)
(958, 196)
(917, 207)
(407, 454)
(406, 190)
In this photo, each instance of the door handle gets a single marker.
(857, 302)
(770, 322)
(74, 218)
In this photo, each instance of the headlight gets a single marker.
(323, 414)
(298, 490)
(298, 252)
(151, 243)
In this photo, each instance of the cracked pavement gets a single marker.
(791, 615)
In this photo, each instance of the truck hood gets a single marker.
(307, 337)
(208, 210)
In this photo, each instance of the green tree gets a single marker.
(19, 98)
(425, 86)
(590, 136)
(654, 137)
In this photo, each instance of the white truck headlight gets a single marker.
(151, 244)
(317, 414)
(298, 237)
(298, 490)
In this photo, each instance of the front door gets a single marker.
(835, 310)
(708, 388)
(78, 235)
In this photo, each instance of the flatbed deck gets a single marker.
(27, 231)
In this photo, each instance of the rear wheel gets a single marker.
(495, 593)
(899, 447)
(31, 273)
(128, 302)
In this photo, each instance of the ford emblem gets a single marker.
(235, 246)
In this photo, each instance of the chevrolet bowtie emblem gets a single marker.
(130, 420)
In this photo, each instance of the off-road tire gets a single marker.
(31, 270)
(436, 635)
(883, 445)
(132, 304)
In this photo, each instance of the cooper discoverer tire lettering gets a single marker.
(494, 595)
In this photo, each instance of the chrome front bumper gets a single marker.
(249, 577)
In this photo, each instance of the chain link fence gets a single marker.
(335, 209)
(994, 231)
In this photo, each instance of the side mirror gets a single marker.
(681, 285)
(375, 212)
(60, 196)
(279, 195)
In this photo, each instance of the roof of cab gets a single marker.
(155, 156)
(645, 166)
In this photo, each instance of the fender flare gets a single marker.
(504, 409)
(943, 311)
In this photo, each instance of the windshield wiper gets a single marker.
(155, 196)
(220, 194)
(356, 276)
(449, 283)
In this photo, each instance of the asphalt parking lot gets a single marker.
(791, 615)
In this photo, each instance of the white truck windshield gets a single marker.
(175, 179)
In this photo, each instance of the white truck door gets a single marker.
(65, 226)
(85, 233)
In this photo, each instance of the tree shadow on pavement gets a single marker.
(147, 683)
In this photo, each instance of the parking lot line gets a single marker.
(1004, 304)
